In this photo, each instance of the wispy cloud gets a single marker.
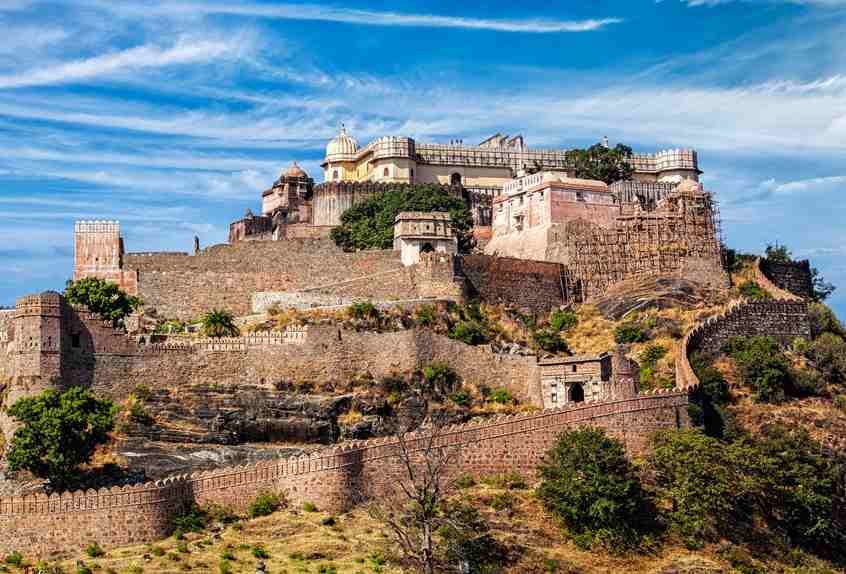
(146, 56)
(822, 3)
(317, 12)
(830, 183)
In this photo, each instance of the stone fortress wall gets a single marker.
(784, 317)
(793, 277)
(333, 478)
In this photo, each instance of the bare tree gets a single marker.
(412, 507)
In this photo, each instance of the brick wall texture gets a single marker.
(535, 285)
(333, 478)
(794, 277)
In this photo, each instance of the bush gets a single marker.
(102, 297)
(260, 553)
(501, 396)
(762, 366)
(823, 320)
(370, 224)
(194, 519)
(550, 341)
(751, 290)
(461, 398)
(503, 501)
(59, 431)
(829, 354)
(364, 311)
(649, 358)
(704, 483)
(441, 378)
(590, 485)
(425, 315)
(219, 323)
(93, 550)
(562, 320)
(465, 538)
(309, 506)
(630, 332)
(469, 332)
(225, 567)
(265, 504)
(14, 558)
(465, 481)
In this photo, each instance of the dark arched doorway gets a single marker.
(577, 393)
(427, 248)
(455, 179)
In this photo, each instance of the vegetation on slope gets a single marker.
(102, 297)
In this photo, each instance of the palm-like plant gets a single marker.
(219, 323)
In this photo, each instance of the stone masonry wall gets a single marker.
(226, 276)
(794, 277)
(333, 478)
(534, 285)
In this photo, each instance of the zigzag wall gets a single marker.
(333, 478)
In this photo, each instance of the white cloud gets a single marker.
(146, 56)
(318, 12)
(820, 3)
(829, 183)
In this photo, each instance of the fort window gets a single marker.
(577, 393)
(411, 171)
(575, 368)
(335, 174)
(75, 340)
(455, 179)
(580, 196)
(385, 172)
(427, 248)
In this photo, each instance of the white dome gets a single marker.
(342, 147)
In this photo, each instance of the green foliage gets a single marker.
(219, 323)
(465, 537)
(370, 224)
(762, 366)
(265, 504)
(309, 506)
(461, 398)
(562, 320)
(157, 551)
(102, 297)
(601, 163)
(502, 501)
(465, 481)
(469, 332)
(778, 253)
(705, 481)
(14, 558)
(83, 569)
(751, 290)
(509, 480)
(823, 320)
(630, 332)
(501, 396)
(425, 315)
(196, 518)
(170, 327)
(829, 355)
(550, 341)
(649, 358)
(590, 485)
(441, 378)
(364, 310)
(59, 431)
(93, 550)
(260, 553)
(225, 567)
(734, 260)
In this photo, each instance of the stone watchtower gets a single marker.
(98, 252)
(417, 232)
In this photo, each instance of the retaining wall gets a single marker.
(333, 478)
(534, 285)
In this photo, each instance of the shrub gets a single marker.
(182, 547)
(501, 396)
(840, 402)
(83, 569)
(370, 224)
(225, 567)
(260, 553)
(503, 501)
(649, 358)
(550, 341)
(823, 320)
(590, 485)
(465, 481)
(364, 310)
(157, 551)
(630, 332)
(762, 366)
(706, 485)
(265, 504)
(219, 323)
(425, 315)
(309, 506)
(829, 353)
(59, 431)
(441, 378)
(461, 398)
(194, 519)
(102, 297)
(562, 320)
(469, 332)
(93, 550)
(14, 558)
(751, 290)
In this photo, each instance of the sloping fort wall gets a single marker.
(333, 478)
(793, 276)
(535, 285)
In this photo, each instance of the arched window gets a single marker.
(411, 171)
(385, 172)
(577, 393)
(427, 248)
(335, 175)
(455, 179)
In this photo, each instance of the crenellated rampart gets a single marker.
(333, 478)
(790, 281)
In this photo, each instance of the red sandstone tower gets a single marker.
(98, 252)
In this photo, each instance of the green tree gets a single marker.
(370, 224)
(102, 297)
(219, 323)
(589, 484)
(779, 253)
(706, 485)
(601, 163)
(762, 366)
(59, 431)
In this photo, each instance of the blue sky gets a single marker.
(171, 116)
